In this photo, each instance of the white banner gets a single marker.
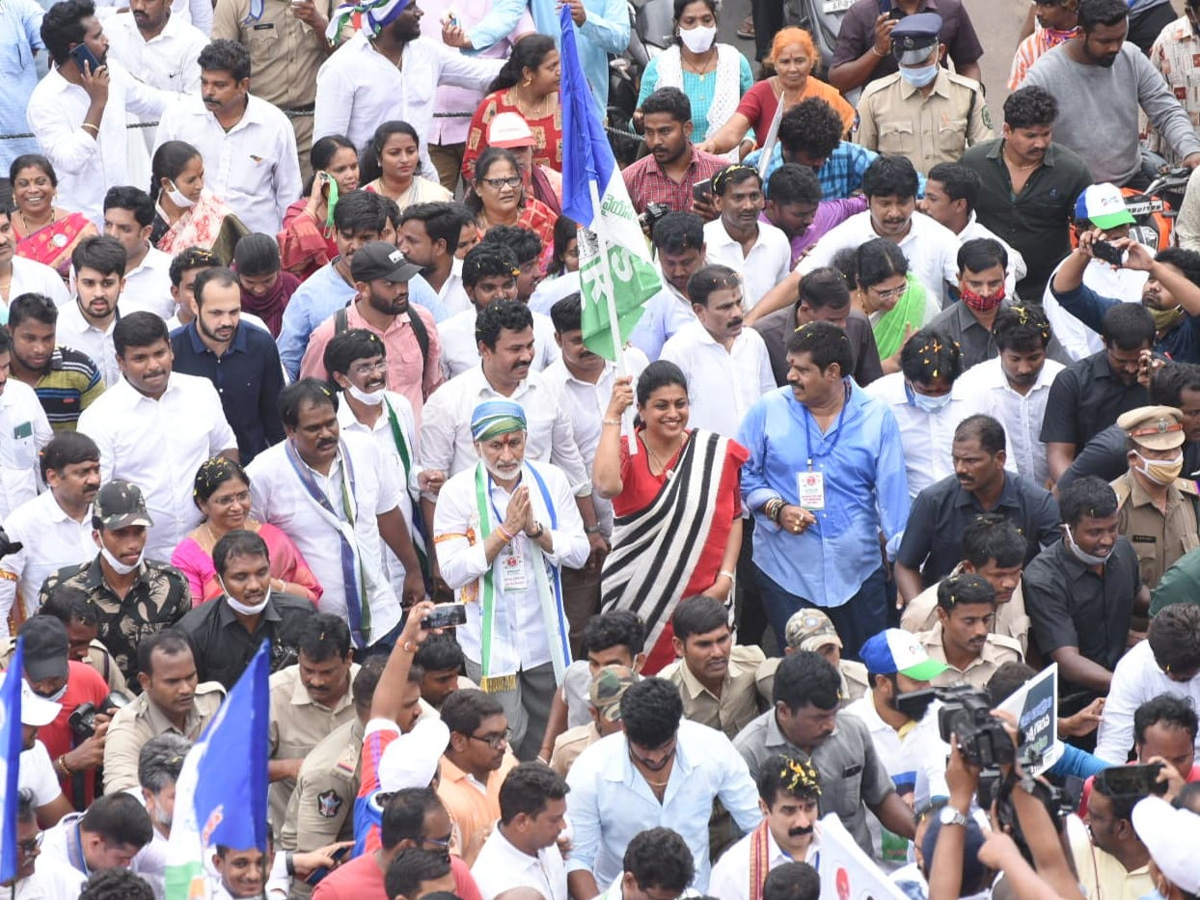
(847, 873)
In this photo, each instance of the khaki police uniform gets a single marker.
(298, 724)
(1011, 620)
(1159, 536)
(134, 725)
(997, 651)
(739, 702)
(853, 676)
(895, 118)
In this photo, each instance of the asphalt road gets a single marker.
(997, 22)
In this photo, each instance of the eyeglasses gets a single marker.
(893, 293)
(496, 741)
(368, 368)
(229, 500)
(512, 181)
(31, 846)
(438, 846)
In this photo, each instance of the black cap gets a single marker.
(380, 260)
(120, 505)
(46, 648)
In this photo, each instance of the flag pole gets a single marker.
(614, 326)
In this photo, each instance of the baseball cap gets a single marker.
(509, 129)
(1104, 206)
(1154, 427)
(893, 650)
(46, 648)
(120, 505)
(380, 260)
(411, 760)
(810, 629)
(36, 712)
(1172, 836)
(914, 36)
(607, 688)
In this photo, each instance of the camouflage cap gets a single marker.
(120, 505)
(607, 688)
(810, 629)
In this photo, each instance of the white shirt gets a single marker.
(148, 287)
(78, 333)
(446, 443)
(986, 387)
(52, 879)
(1119, 284)
(253, 167)
(35, 773)
(158, 445)
(501, 866)
(768, 262)
(151, 861)
(521, 638)
(281, 499)
(24, 431)
(385, 442)
(722, 384)
(88, 165)
(927, 437)
(930, 248)
(730, 879)
(550, 290)
(51, 540)
(194, 12)
(453, 295)
(1136, 679)
(586, 404)
(30, 277)
(1016, 262)
(168, 61)
(460, 350)
(358, 88)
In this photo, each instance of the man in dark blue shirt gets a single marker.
(240, 360)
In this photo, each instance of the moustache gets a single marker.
(800, 832)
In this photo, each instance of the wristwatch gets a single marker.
(951, 816)
(536, 534)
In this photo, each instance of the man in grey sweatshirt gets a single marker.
(1099, 82)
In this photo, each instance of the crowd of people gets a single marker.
(296, 348)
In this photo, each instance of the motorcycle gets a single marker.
(1155, 208)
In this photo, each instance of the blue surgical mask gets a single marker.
(919, 78)
(924, 402)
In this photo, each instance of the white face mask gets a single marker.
(239, 607)
(375, 398)
(59, 694)
(177, 197)
(117, 566)
(698, 39)
(1086, 558)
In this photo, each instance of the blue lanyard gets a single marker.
(808, 442)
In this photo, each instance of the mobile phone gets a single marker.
(446, 615)
(1132, 781)
(884, 6)
(896, 13)
(81, 53)
(1105, 251)
(702, 190)
(322, 871)
(452, 18)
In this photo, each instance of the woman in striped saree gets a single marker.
(678, 527)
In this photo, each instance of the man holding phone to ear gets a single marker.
(78, 110)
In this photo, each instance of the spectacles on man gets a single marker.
(495, 741)
(31, 846)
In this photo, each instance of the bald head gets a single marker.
(520, 893)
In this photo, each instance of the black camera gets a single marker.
(654, 212)
(965, 712)
(7, 545)
(83, 720)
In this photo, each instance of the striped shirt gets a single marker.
(69, 388)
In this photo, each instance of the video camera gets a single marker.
(966, 712)
(7, 545)
(83, 720)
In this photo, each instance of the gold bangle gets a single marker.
(616, 422)
(877, 53)
(95, 129)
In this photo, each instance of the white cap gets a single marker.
(411, 760)
(1173, 837)
(36, 711)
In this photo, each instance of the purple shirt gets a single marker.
(857, 35)
(830, 213)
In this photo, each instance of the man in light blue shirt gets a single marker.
(360, 218)
(601, 27)
(662, 771)
(20, 40)
(825, 477)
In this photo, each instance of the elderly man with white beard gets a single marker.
(503, 530)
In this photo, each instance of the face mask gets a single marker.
(919, 78)
(1160, 471)
(242, 608)
(177, 198)
(926, 403)
(980, 303)
(1165, 319)
(372, 399)
(699, 39)
(1086, 558)
(58, 695)
(117, 566)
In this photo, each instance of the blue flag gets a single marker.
(11, 741)
(221, 794)
(616, 273)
